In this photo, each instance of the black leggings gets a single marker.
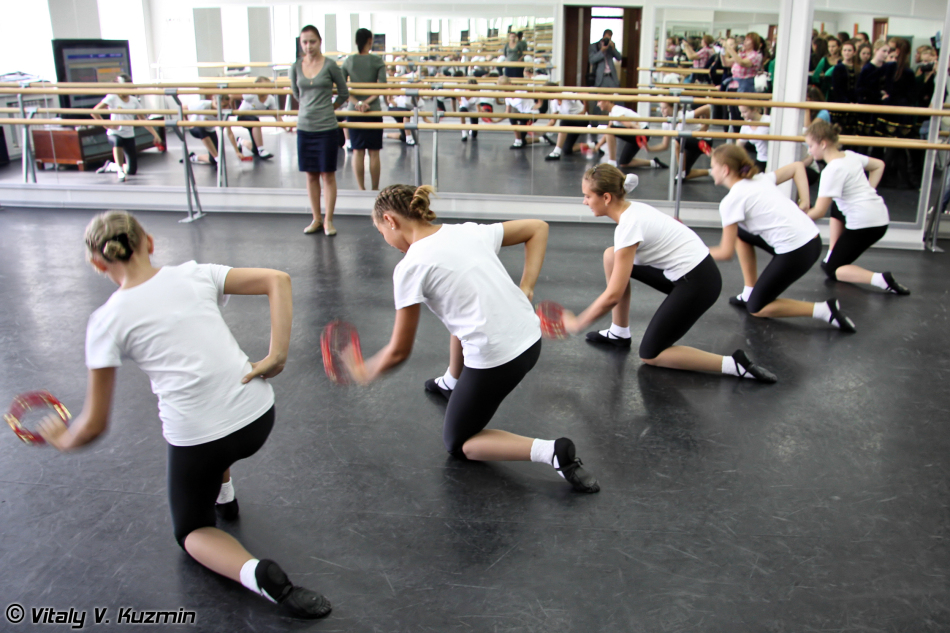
(850, 245)
(128, 146)
(194, 474)
(201, 133)
(572, 137)
(687, 299)
(784, 269)
(478, 394)
(628, 150)
(250, 130)
(401, 119)
(472, 120)
(691, 147)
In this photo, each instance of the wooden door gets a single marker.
(879, 32)
(632, 23)
(576, 40)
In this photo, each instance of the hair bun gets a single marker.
(630, 182)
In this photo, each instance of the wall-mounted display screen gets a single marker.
(89, 61)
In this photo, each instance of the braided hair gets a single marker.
(411, 203)
(113, 236)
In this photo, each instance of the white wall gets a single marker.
(28, 50)
(234, 34)
(73, 19)
(125, 20)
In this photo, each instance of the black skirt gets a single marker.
(363, 138)
(317, 151)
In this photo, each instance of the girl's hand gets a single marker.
(804, 205)
(354, 366)
(269, 367)
(54, 431)
(528, 292)
(571, 325)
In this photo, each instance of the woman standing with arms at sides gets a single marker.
(496, 336)
(312, 78)
(756, 213)
(861, 217)
(365, 68)
(653, 248)
(215, 405)
(122, 137)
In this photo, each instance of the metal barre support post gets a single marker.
(29, 167)
(222, 165)
(191, 186)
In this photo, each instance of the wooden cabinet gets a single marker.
(82, 147)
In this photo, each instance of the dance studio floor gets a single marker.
(485, 165)
(816, 504)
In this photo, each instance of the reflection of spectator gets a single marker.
(601, 56)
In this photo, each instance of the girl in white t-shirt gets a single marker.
(251, 103)
(756, 213)
(469, 104)
(565, 142)
(214, 404)
(630, 146)
(861, 218)
(690, 151)
(496, 336)
(754, 114)
(652, 247)
(122, 137)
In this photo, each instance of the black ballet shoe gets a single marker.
(748, 368)
(228, 511)
(894, 286)
(432, 386)
(570, 467)
(610, 339)
(737, 301)
(839, 319)
(300, 602)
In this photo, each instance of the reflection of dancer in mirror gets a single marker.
(756, 213)
(496, 336)
(122, 137)
(630, 146)
(312, 78)
(250, 103)
(565, 142)
(209, 135)
(365, 67)
(860, 217)
(653, 248)
(691, 145)
(215, 405)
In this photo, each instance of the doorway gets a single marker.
(585, 25)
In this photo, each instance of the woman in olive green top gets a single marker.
(311, 79)
(365, 68)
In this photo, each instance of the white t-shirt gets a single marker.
(115, 103)
(761, 147)
(253, 102)
(524, 106)
(663, 242)
(171, 327)
(457, 274)
(204, 104)
(569, 106)
(845, 181)
(692, 127)
(759, 207)
(624, 112)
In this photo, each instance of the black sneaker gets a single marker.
(609, 339)
(747, 367)
(894, 286)
(570, 467)
(302, 603)
(228, 511)
(737, 301)
(552, 156)
(432, 386)
(839, 319)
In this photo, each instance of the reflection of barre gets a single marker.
(543, 129)
(678, 71)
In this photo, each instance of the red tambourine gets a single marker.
(29, 401)
(705, 148)
(160, 147)
(484, 107)
(552, 319)
(336, 338)
(642, 141)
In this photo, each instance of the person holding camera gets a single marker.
(601, 57)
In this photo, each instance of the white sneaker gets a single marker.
(122, 176)
(106, 167)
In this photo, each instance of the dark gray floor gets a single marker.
(817, 504)
(486, 165)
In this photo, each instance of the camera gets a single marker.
(605, 41)
(926, 68)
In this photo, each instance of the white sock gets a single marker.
(731, 368)
(619, 332)
(556, 151)
(612, 163)
(827, 256)
(821, 312)
(746, 293)
(447, 381)
(249, 579)
(226, 495)
(518, 143)
(542, 451)
(877, 279)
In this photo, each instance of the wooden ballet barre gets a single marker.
(679, 71)
(542, 129)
